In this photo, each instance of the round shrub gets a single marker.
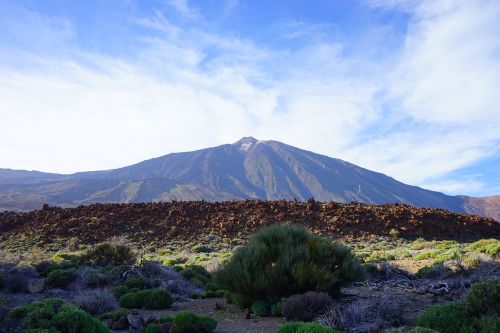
(119, 291)
(284, 260)
(288, 328)
(108, 254)
(276, 309)
(132, 300)
(301, 327)
(56, 315)
(260, 308)
(447, 318)
(156, 299)
(135, 282)
(483, 298)
(187, 322)
(60, 278)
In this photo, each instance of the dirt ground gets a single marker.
(230, 319)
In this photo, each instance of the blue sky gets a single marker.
(407, 88)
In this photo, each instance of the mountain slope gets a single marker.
(246, 169)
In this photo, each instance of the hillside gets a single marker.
(160, 223)
(246, 169)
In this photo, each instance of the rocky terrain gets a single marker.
(166, 222)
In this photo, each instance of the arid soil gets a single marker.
(185, 221)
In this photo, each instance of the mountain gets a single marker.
(246, 169)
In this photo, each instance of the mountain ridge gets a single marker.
(246, 169)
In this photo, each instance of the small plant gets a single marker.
(446, 318)
(119, 291)
(202, 249)
(55, 315)
(300, 327)
(490, 247)
(108, 254)
(284, 260)
(260, 308)
(306, 307)
(96, 301)
(483, 298)
(151, 299)
(93, 278)
(434, 271)
(394, 233)
(115, 314)
(135, 282)
(60, 278)
(187, 322)
(276, 310)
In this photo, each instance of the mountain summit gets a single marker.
(246, 169)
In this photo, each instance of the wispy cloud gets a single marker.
(429, 111)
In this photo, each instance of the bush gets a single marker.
(56, 315)
(300, 327)
(237, 299)
(260, 308)
(447, 318)
(119, 291)
(488, 246)
(93, 278)
(483, 298)
(108, 254)
(115, 314)
(156, 299)
(410, 330)
(306, 307)
(96, 301)
(437, 270)
(202, 249)
(151, 299)
(284, 260)
(187, 322)
(60, 278)
(135, 282)
(17, 278)
(276, 310)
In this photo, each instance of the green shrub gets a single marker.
(488, 246)
(260, 308)
(284, 260)
(187, 322)
(151, 299)
(447, 318)
(156, 299)
(69, 258)
(237, 299)
(60, 278)
(202, 249)
(436, 270)
(276, 309)
(483, 298)
(289, 328)
(115, 314)
(132, 300)
(135, 282)
(108, 254)
(427, 255)
(488, 324)
(119, 291)
(55, 314)
(301, 327)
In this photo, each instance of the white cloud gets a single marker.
(183, 7)
(433, 111)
